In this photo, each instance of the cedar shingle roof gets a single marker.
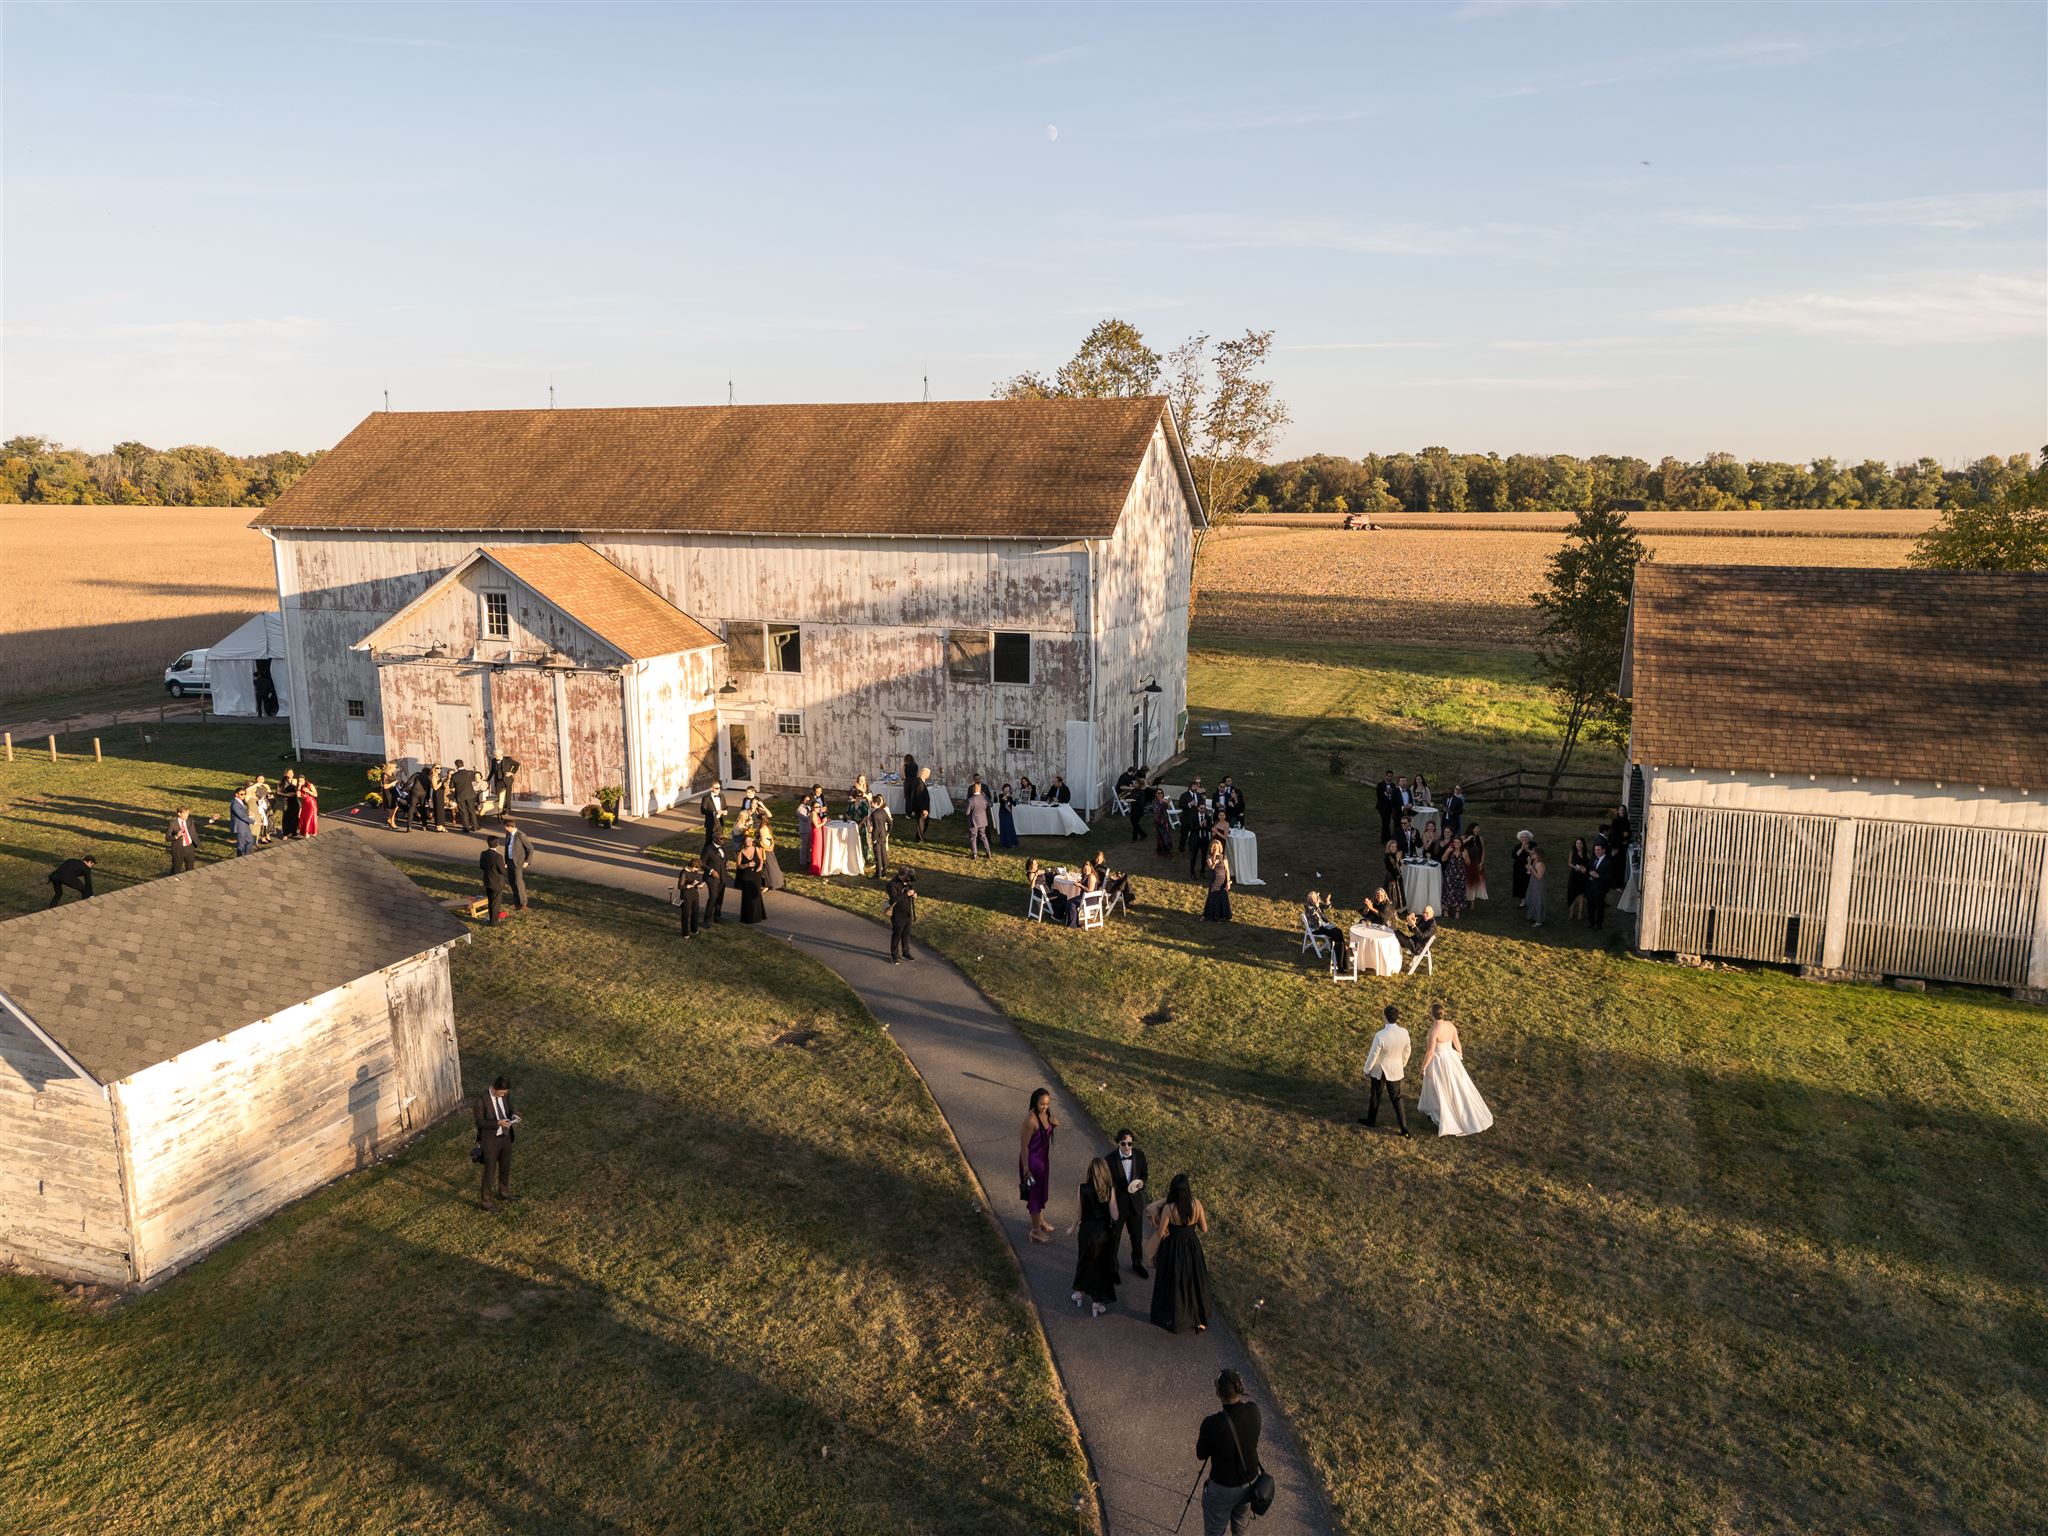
(138, 975)
(1930, 675)
(1030, 469)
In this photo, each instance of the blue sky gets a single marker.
(1777, 230)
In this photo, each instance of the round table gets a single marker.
(892, 793)
(1038, 819)
(1422, 884)
(1377, 949)
(842, 849)
(1241, 853)
(1423, 817)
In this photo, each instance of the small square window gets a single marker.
(498, 615)
(1012, 657)
(789, 724)
(355, 709)
(1017, 738)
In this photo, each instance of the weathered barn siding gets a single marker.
(523, 728)
(1947, 882)
(597, 733)
(413, 693)
(675, 696)
(221, 1136)
(61, 1211)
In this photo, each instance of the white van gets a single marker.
(187, 675)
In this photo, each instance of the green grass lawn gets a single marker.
(750, 1288)
(1742, 1252)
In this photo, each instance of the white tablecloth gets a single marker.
(1067, 885)
(942, 803)
(1241, 853)
(1047, 821)
(842, 849)
(1423, 817)
(1423, 885)
(1377, 949)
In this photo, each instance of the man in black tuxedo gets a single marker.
(1230, 801)
(72, 874)
(518, 854)
(1454, 811)
(497, 884)
(714, 881)
(462, 786)
(1190, 798)
(1599, 880)
(1128, 1176)
(1059, 794)
(1405, 837)
(496, 1125)
(1388, 799)
(713, 806)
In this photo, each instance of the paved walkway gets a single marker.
(1138, 1393)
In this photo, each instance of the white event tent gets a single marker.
(232, 667)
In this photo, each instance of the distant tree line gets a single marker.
(36, 469)
(1437, 480)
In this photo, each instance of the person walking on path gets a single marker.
(1229, 1443)
(1180, 1293)
(690, 900)
(1034, 1161)
(918, 801)
(1385, 1063)
(73, 875)
(496, 1126)
(1098, 1222)
(497, 884)
(902, 908)
(1127, 1174)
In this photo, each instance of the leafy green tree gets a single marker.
(1113, 362)
(2007, 531)
(1228, 413)
(1585, 623)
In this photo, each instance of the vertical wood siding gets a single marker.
(61, 1211)
(1731, 881)
(1945, 903)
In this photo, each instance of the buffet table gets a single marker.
(1041, 820)
(942, 803)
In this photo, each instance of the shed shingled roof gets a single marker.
(1030, 469)
(1939, 676)
(139, 975)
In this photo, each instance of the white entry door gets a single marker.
(458, 736)
(735, 752)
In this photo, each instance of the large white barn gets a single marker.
(1844, 770)
(991, 586)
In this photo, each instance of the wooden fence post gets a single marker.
(53, 749)
(10, 746)
(96, 749)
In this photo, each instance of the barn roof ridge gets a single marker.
(143, 973)
(1020, 469)
(1899, 673)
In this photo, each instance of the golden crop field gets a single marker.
(1466, 586)
(92, 595)
(1873, 524)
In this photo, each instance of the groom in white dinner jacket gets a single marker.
(1384, 1065)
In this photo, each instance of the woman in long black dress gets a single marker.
(1217, 908)
(749, 870)
(1579, 869)
(1100, 1224)
(1180, 1275)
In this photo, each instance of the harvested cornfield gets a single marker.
(1464, 586)
(96, 595)
(1871, 524)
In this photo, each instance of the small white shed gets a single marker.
(1844, 770)
(246, 671)
(167, 1080)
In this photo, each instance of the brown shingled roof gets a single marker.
(141, 974)
(1905, 674)
(969, 468)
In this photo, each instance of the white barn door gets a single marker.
(458, 734)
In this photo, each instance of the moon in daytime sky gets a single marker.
(1051, 133)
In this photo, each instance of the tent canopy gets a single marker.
(231, 666)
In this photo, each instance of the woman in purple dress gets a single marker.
(1162, 825)
(1457, 897)
(1034, 1162)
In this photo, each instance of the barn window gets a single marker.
(785, 648)
(355, 709)
(497, 616)
(755, 647)
(1017, 738)
(1012, 657)
(744, 649)
(789, 723)
(967, 652)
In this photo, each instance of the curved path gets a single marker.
(1138, 1393)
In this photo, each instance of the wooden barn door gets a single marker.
(522, 706)
(1944, 903)
(703, 750)
(423, 1040)
(1747, 885)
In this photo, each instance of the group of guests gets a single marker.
(741, 856)
(431, 797)
(1196, 823)
(1112, 1202)
(1594, 869)
(257, 815)
(1093, 875)
(1320, 914)
(988, 813)
(870, 815)
(503, 864)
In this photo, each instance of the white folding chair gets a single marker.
(1034, 911)
(1116, 802)
(1422, 957)
(1114, 898)
(1091, 910)
(1311, 940)
(1350, 975)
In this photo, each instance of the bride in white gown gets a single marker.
(1448, 1096)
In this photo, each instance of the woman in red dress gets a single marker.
(814, 833)
(309, 808)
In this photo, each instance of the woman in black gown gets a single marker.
(1180, 1275)
(1100, 1226)
(1217, 908)
(749, 871)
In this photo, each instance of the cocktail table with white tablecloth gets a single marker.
(1040, 820)
(1241, 853)
(1377, 949)
(1423, 817)
(892, 793)
(1422, 885)
(842, 849)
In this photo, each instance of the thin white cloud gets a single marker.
(1954, 210)
(1927, 312)
(1545, 384)
(265, 328)
(1055, 57)
(1246, 232)
(1129, 306)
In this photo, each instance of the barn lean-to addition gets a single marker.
(1844, 770)
(989, 586)
(172, 1071)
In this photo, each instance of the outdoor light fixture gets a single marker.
(730, 687)
(437, 652)
(1151, 686)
